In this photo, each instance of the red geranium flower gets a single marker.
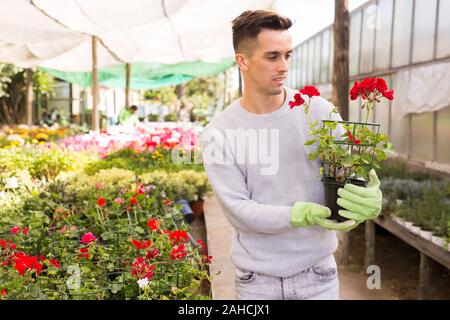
(15, 229)
(87, 238)
(178, 236)
(84, 253)
(4, 292)
(310, 91)
(352, 139)
(152, 254)
(388, 94)
(369, 86)
(25, 230)
(101, 202)
(202, 246)
(207, 259)
(153, 224)
(133, 201)
(298, 101)
(54, 263)
(141, 244)
(178, 252)
(20, 267)
(22, 262)
(141, 269)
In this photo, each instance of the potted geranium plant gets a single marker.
(348, 150)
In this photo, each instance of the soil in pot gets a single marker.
(331, 188)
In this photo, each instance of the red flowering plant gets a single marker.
(168, 265)
(21, 273)
(347, 150)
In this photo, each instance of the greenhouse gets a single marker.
(197, 150)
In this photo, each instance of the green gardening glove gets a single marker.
(306, 214)
(361, 203)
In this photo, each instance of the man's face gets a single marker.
(267, 60)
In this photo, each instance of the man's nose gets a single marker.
(283, 66)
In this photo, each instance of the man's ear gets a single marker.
(241, 61)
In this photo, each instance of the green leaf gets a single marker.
(116, 287)
(348, 161)
(139, 229)
(313, 155)
(310, 142)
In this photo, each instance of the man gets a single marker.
(128, 117)
(256, 160)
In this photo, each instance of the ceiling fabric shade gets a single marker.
(57, 34)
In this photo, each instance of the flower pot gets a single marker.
(197, 207)
(426, 234)
(415, 229)
(408, 224)
(331, 188)
(399, 220)
(186, 210)
(438, 241)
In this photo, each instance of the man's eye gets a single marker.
(272, 58)
(288, 56)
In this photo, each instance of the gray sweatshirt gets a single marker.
(258, 168)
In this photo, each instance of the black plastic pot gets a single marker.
(331, 187)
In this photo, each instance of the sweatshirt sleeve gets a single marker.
(229, 185)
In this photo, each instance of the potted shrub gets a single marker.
(153, 117)
(170, 117)
(202, 186)
(348, 150)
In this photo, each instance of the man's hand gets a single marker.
(361, 203)
(306, 214)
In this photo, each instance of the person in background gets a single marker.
(128, 117)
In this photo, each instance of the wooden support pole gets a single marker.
(127, 84)
(116, 111)
(369, 255)
(341, 79)
(95, 95)
(29, 96)
(344, 248)
(425, 275)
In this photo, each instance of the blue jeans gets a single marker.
(319, 282)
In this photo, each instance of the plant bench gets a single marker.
(428, 250)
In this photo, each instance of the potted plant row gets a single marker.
(426, 234)
(427, 214)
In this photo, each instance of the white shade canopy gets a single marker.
(57, 33)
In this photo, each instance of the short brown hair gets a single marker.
(250, 23)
